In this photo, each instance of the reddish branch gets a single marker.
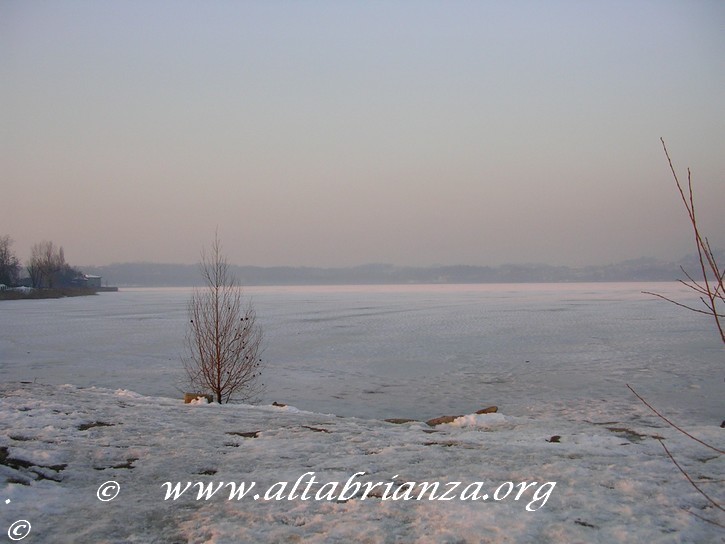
(710, 289)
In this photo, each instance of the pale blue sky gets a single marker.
(342, 133)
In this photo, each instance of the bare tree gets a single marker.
(9, 263)
(46, 263)
(223, 340)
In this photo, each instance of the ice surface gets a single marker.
(396, 351)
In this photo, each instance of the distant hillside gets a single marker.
(182, 275)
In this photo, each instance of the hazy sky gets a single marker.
(340, 133)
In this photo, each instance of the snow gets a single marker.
(21, 289)
(613, 481)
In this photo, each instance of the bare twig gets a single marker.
(670, 423)
(710, 500)
(679, 303)
(703, 518)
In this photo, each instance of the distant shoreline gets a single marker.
(182, 275)
(39, 294)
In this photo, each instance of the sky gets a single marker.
(326, 133)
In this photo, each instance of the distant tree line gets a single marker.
(46, 268)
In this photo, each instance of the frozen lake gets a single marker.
(414, 351)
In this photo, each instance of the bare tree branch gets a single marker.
(711, 287)
(711, 292)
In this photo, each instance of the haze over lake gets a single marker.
(341, 133)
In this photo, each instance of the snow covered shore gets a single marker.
(59, 444)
